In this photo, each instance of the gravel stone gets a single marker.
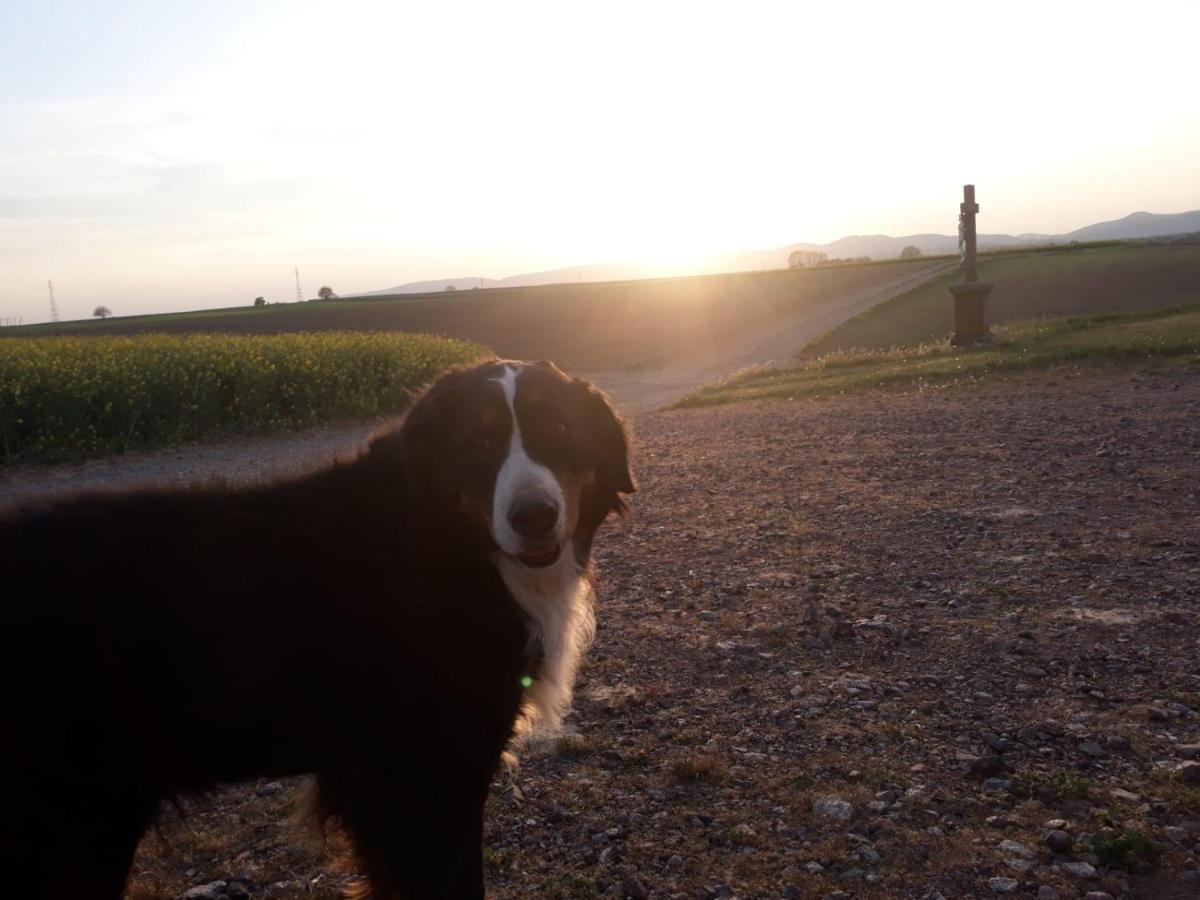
(987, 767)
(1078, 869)
(214, 890)
(1013, 848)
(1058, 840)
(833, 808)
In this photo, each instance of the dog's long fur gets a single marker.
(362, 624)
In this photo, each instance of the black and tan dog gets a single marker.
(386, 624)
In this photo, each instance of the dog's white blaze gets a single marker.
(557, 598)
(520, 478)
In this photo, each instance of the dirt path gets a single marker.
(263, 457)
(778, 345)
(239, 459)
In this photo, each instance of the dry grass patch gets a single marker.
(574, 746)
(698, 769)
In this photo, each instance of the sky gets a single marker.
(164, 155)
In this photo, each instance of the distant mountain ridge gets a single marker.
(882, 246)
(553, 276)
(877, 246)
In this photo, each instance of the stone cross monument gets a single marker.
(970, 297)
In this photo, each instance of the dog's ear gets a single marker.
(613, 475)
(419, 436)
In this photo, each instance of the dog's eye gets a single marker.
(553, 421)
(482, 443)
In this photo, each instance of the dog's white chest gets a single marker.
(558, 602)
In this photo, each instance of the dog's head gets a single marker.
(534, 459)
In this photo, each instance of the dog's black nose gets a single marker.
(534, 519)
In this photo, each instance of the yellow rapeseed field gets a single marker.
(83, 396)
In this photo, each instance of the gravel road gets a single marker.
(938, 644)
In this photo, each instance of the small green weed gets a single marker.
(1131, 850)
(499, 858)
(569, 886)
(1059, 786)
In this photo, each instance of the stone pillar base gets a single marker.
(970, 313)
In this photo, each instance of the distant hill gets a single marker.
(1139, 225)
(876, 246)
(554, 276)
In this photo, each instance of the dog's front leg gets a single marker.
(417, 826)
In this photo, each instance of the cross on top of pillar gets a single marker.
(969, 206)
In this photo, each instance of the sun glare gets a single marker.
(382, 143)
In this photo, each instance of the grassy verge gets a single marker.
(1092, 279)
(1021, 346)
(64, 397)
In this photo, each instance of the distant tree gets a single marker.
(910, 252)
(101, 312)
(326, 293)
(260, 301)
(449, 287)
(806, 259)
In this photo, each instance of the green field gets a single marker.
(1126, 277)
(1165, 334)
(63, 397)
